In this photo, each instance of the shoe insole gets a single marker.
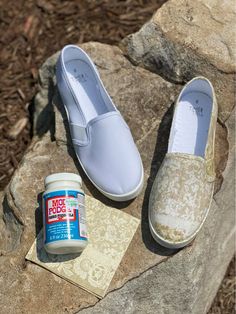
(191, 123)
(86, 89)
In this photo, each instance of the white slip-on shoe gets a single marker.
(183, 188)
(101, 138)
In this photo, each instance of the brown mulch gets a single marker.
(224, 302)
(30, 32)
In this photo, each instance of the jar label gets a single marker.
(64, 216)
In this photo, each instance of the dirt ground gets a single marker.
(33, 30)
(225, 299)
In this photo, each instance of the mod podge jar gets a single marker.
(64, 217)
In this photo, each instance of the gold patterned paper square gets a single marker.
(110, 233)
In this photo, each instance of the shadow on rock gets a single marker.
(12, 228)
(159, 154)
(46, 118)
(39, 214)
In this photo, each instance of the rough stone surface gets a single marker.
(188, 38)
(149, 278)
(144, 108)
(188, 281)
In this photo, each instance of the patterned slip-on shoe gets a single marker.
(183, 188)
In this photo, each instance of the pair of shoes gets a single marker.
(182, 191)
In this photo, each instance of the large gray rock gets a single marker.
(144, 107)
(188, 38)
(150, 279)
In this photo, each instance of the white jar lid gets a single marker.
(63, 176)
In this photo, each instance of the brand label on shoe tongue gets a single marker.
(79, 77)
(197, 110)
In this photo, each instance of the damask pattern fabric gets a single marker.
(182, 193)
(183, 189)
(110, 233)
